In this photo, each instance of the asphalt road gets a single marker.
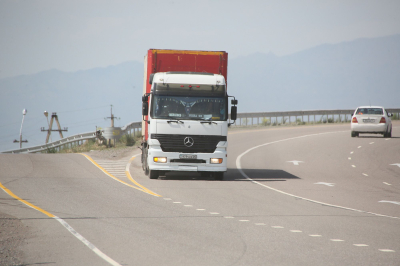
(306, 195)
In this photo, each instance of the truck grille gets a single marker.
(175, 143)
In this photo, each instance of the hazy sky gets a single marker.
(37, 35)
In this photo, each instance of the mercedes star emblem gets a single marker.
(188, 141)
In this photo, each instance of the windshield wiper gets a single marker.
(175, 120)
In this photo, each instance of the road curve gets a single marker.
(306, 195)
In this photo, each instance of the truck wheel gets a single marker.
(153, 174)
(219, 176)
(143, 162)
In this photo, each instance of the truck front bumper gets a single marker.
(174, 163)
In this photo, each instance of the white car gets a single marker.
(371, 120)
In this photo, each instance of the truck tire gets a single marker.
(218, 176)
(153, 174)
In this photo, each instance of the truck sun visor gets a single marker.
(189, 89)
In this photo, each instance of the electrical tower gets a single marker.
(54, 117)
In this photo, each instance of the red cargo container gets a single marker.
(158, 60)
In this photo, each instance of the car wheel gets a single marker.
(353, 134)
(389, 135)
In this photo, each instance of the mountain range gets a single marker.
(330, 76)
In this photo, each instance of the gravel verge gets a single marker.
(12, 234)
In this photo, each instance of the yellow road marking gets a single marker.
(25, 202)
(128, 174)
(66, 225)
(141, 188)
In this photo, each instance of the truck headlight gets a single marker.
(216, 160)
(160, 159)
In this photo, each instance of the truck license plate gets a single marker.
(187, 156)
(368, 120)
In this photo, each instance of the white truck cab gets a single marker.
(187, 124)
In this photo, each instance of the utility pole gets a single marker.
(20, 131)
(53, 117)
(112, 117)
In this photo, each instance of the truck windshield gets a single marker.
(189, 108)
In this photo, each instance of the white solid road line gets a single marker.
(239, 167)
(87, 243)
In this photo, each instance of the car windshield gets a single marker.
(189, 108)
(369, 111)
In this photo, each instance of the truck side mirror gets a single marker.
(145, 108)
(145, 98)
(234, 102)
(151, 78)
(233, 112)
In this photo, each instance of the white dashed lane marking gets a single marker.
(386, 250)
(281, 227)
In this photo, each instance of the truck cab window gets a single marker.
(189, 108)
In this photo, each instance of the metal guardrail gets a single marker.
(55, 144)
(343, 115)
(137, 126)
(127, 129)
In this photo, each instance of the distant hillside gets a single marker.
(329, 76)
(81, 99)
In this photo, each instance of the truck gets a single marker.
(185, 113)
